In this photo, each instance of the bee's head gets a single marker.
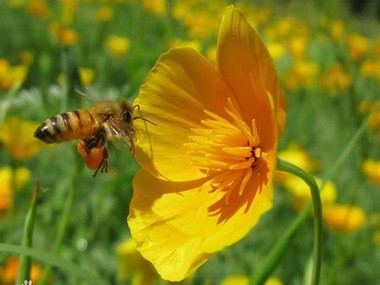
(127, 110)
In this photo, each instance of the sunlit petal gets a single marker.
(177, 90)
(246, 66)
(174, 225)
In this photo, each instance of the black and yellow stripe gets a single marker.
(78, 124)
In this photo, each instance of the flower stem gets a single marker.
(280, 247)
(25, 260)
(317, 210)
(63, 224)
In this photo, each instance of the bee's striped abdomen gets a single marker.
(67, 126)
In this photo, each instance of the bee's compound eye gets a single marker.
(127, 116)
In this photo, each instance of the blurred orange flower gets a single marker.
(64, 35)
(8, 272)
(358, 45)
(39, 9)
(344, 218)
(336, 80)
(104, 14)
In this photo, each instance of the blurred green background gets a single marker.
(57, 56)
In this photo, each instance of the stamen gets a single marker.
(243, 164)
(226, 149)
(240, 151)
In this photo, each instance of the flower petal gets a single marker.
(174, 96)
(175, 227)
(247, 67)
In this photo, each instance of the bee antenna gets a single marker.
(144, 119)
(137, 106)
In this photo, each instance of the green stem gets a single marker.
(317, 207)
(62, 226)
(280, 247)
(25, 260)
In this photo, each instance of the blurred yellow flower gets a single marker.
(244, 280)
(157, 7)
(9, 271)
(302, 75)
(357, 45)
(68, 8)
(11, 180)
(337, 30)
(11, 76)
(5, 191)
(104, 14)
(86, 75)
(298, 156)
(336, 80)
(117, 46)
(276, 50)
(344, 218)
(206, 182)
(17, 136)
(370, 68)
(371, 169)
(285, 26)
(199, 17)
(298, 46)
(300, 193)
(235, 280)
(133, 266)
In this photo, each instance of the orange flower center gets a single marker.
(228, 151)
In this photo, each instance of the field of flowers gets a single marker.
(58, 56)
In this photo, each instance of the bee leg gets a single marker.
(105, 159)
(97, 151)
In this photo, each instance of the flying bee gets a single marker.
(94, 127)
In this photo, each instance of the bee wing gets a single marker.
(119, 130)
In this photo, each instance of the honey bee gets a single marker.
(94, 127)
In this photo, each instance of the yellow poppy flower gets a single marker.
(208, 164)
